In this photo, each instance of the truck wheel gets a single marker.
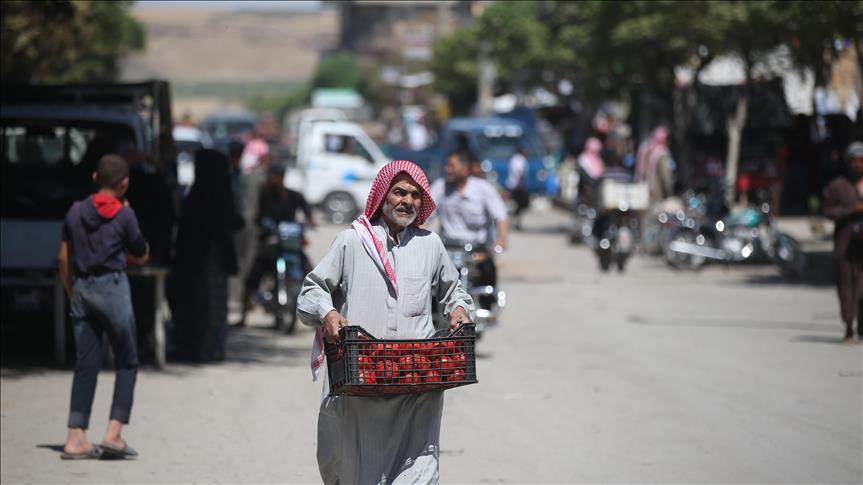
(340, 207)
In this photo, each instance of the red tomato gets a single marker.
(389, 350)
(387, 371)
(340, 353)
(421, 363)
(411, 378)
(459, 360)
(367, 377)
(431, 376)
(457, 375)
(446, 365)
(406, 363)
(364, 362)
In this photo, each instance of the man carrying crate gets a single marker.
(381, 274)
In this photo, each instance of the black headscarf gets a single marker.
(209, 215)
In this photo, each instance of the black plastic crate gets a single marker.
(362, 365)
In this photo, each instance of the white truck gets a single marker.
(335, 165)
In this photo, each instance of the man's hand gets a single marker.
(333, 321)
(499, 246)
(457, 317)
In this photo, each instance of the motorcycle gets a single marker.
(616, 234)
(488, 300)
(750, 234)
(278, 289)
(616, 228)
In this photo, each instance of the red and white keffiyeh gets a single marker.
(373, 245)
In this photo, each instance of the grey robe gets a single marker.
(382, 439)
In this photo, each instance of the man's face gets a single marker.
(403, 201)
(856, 166)
(455, 170)
(275, 180)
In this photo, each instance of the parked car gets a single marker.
(188, 140)
(224, 127)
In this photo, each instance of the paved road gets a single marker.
(726, 376)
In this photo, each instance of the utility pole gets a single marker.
(485, 82)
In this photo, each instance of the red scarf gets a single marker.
(107, 205)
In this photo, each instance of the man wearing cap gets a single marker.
(843, 203)
(381, 274)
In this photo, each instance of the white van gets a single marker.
(335, 166)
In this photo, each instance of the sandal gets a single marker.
(94, 453)
(112, 452)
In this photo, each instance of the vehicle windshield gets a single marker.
(223, 129)
(501, 144)
(49, 145)
(46, 167)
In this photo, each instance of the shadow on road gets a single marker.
(818, 272)
(820, 339)
(541, 230)
(248, 346)
(55, 448)
(725, 322)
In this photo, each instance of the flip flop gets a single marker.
(111, 451)
(94, 453)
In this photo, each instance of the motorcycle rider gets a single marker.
(470, 210)
(276, 204)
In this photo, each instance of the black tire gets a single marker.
(289, 312)
(340, 207)
(289, 320)
(621, 263)
(684, 261)
(789, 256)
(604, 261)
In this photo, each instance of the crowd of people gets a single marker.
(381, 271)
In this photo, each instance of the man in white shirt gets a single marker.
(470, 210)
(515, 184)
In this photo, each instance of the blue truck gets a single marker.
(493, 141)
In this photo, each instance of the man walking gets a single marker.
(843, 203)
(100, 234)
(382, 274)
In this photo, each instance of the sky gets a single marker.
(297, 6)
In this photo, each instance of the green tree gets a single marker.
(339, 70)
(66, 41)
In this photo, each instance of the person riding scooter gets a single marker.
(276, 204)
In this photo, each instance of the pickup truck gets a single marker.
(334, 168)
(491, 140)
(51, 138)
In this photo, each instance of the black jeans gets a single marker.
(102, 304)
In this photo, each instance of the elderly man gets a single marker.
(382, 274)
(843, 203)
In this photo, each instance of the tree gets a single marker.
(339, 70)
(57, 41)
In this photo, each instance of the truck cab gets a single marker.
(51, 139)
(335, 166)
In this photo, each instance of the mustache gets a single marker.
(407, 209)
